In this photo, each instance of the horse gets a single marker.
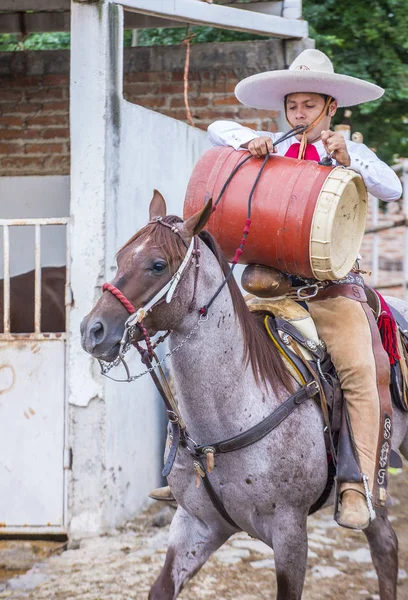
(228, 378)
(22, 301)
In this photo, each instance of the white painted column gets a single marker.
(375, 251)
(405, 209)
(90, 123)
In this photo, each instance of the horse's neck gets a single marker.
(216, 391)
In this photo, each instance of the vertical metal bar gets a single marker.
(37, 281)
(405, 210)
(375, 247)
(68, 290)
(68, 304)
(6, 279)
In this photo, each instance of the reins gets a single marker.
(179, 434)
(296, 130)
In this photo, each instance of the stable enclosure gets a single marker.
(92, 448)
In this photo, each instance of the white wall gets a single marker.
(154, 151)
(120, 153)
(29, 197)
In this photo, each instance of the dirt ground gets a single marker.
(124, 567)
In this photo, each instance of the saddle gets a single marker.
(294, 334)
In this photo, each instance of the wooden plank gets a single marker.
(399, 223)
(35, 22)
(60, 21)
(137, 21)
(227, 17)
(22, 5)
(290, 9)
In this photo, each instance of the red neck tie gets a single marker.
(310, 154)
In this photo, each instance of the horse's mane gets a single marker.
(266, 362)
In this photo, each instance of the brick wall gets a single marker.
(154, 77)
(34, 95)
(34, 113)
(34, 108)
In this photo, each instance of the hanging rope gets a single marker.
(186, 43)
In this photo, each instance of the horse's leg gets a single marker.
(384, 552)
(404, 446)
(191, 542)
(289, 536)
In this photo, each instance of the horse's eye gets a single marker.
(158, 266)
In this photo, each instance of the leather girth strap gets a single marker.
(260, 430)
(178, 431)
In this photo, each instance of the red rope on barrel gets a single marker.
(114, 290)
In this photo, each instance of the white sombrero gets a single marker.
(311, 71)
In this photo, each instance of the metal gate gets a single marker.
(32, 407)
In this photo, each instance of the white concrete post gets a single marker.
(405, 210)
(90, 136)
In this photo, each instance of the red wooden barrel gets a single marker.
(283, 208)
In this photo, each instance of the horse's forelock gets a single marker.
(170, 243)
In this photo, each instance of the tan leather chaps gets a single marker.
(350, 333)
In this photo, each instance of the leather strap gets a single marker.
(384, 443)
(260, 430)
(347, 290)
(401, 321)
(287, 327)
(173, 417)
(175, 430)
(215, 498)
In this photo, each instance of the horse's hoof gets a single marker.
(354, 512)
(162, 494)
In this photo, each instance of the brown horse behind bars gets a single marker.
(22, 301)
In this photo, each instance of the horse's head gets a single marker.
(146, 264)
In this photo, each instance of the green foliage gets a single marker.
(200, 34)
(370, 41)
(364, 39)
(9, 42)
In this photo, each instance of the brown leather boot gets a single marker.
(162, 494)
(353, 512)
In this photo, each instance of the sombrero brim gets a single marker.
(268, 90)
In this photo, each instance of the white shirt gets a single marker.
(379, 178)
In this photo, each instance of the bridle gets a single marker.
(137, 316)
(202, 455)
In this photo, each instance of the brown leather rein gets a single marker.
(203, 455)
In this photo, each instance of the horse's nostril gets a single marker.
(97, 332)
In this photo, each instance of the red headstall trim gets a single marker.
(122, 299)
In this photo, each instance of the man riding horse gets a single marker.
(310, 92)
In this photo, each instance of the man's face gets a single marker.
(303, 108)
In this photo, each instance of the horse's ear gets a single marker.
(157, 206)
(194, 224)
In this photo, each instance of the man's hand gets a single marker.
(335, 145)
(260, 146)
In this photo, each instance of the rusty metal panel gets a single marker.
(32, 389)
